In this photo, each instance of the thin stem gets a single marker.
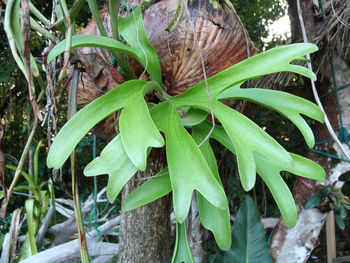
(38, 14)
(127, 72)
(19, 167)
(73, 13)
(113, 6)
(37, 27)
(77, 209)
(204, 75)
(69, 32)
(314, 90)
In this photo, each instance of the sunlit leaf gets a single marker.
(149, 191)
(122, 96)
(114, 162)
(187, 167)
(138, 131)
(248, 236)
(247, 138)
(287, 104)
(274, 60)
(182, 250)
(270, 170)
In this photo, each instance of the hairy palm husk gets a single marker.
(218, 32)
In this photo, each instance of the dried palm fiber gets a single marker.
(221, 37)
(331, 36)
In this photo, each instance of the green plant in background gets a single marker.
(331, 197)
(37, 207)
(191, 167)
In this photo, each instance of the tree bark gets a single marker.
(145, 231)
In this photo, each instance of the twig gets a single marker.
(314, 90)
(77, 209)
(19, 168)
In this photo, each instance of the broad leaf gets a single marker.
(149, 191)
(123, 95)
(248, 236)
(182, 250)
(247, 138)
(138, 131)
(193, 117)
(133, 31)
(269, 171)
(313, 201)
(274, 60)
(220, 226)
(188, 169)
(287, 104)
(114, 162)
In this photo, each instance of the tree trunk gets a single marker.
(145, 231)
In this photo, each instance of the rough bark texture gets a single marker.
(145, 231)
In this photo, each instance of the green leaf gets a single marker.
(123, 95)
(248, 236)
(270, 173)
(1, 195)
(30, 237)
(149, 191)
(325, 191)
(182, 250)
(138, 131)
(272, 61)
(114, 162)
(270, 170)
(188, 169)
(313, 201)
(247, 138)
(133, 31)
(193, 117)
(288, 105)
(343, 213)
(339, 221)
(220, 226)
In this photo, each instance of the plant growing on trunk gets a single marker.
(191, 162)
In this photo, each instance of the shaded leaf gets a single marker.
(220, 226)
(248, 236)
(114, 162)
(288, 105)
(193, 117)
(133, 31)
(339, 221)
(149, 191)
(188, 169)
(313, 201)
(325, 191)
(182, 250)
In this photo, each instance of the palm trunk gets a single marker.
(145, 231)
